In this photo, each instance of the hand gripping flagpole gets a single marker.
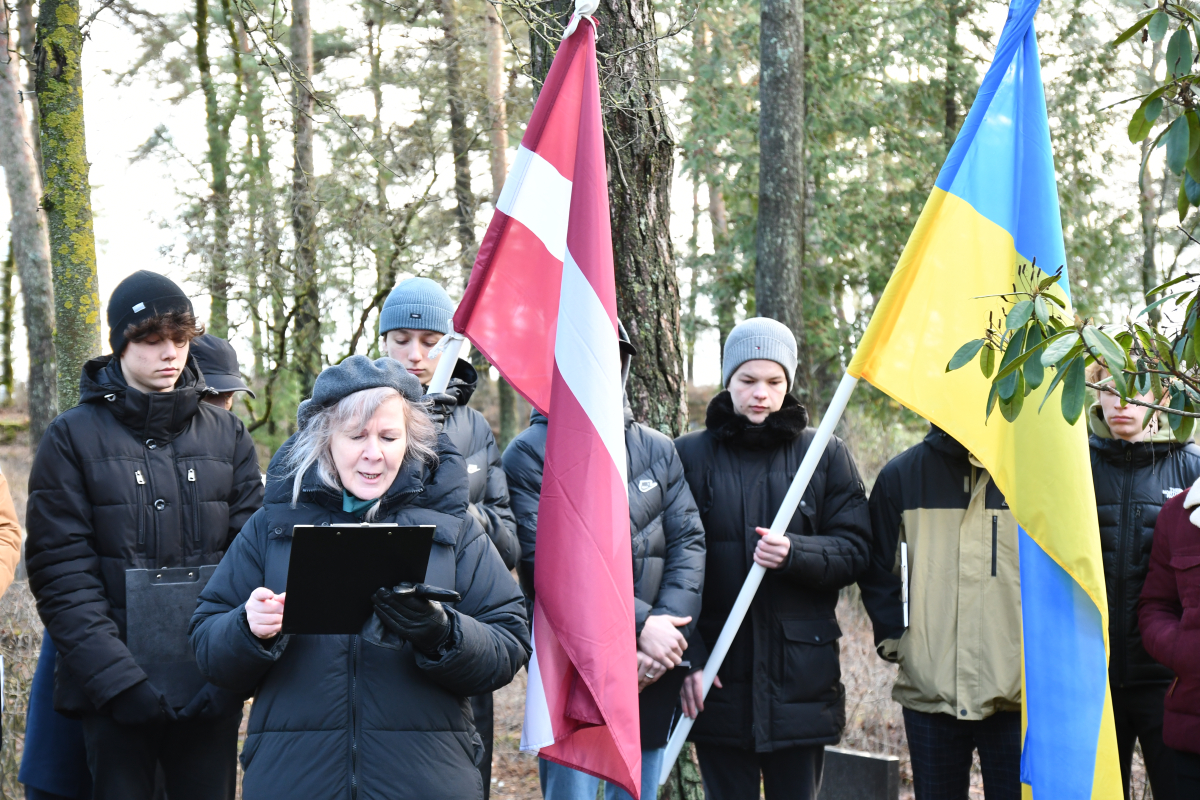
(449, 347)
(791, 501)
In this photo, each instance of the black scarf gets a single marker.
(780, 427)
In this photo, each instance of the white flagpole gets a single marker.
(450, 347)
(791, 501)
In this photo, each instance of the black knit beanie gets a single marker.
(139, 297)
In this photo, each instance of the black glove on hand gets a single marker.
(407, 612)
(141, 704)
(440, 407)
(210, 702)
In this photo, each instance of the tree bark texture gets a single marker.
(307, 340)
(779, 239)
(27, 25)
(954, 54)
(639, 151)
(460, 141)
(31, 247)
(8, 307)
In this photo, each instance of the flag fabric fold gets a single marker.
(541, 306)
(995, 207)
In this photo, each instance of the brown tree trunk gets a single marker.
(779, 240)
(954, 53)
(306, 345)
(510, 422)
(67, 200)
(8, 307)
(640, 155)
(460, 141)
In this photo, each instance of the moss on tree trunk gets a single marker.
(67, 197)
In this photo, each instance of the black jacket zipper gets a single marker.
(354, 718)
(141, 507)
(995, 522)
(195, 508)
(1122, 535)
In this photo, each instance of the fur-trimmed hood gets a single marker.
(780, 427)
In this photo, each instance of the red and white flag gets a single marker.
(541, 306)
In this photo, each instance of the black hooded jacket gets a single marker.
(668, 541)
(127, 480)
(782, 676)
(473, 438)
(364, 717)
(1133, 481)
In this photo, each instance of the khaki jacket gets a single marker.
(10, 537)
(961, 651)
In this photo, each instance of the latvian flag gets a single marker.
(541, 306)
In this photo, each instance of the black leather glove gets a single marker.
(140, 704)
(211, 702)
(440, 407)
(414, 613)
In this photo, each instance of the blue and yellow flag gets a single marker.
(995, 207)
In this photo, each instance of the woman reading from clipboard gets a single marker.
(383, 714)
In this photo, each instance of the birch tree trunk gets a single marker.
(779, 239)
(307, 339)
(510, 423)
(31, 248)
(640, 154)
(27, 25)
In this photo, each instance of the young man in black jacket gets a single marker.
(778, 699)
(139, 478)
(668, 578)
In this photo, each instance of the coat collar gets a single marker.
(158, 416)
(1192, 502)
(780, 427)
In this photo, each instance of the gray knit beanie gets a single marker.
(759, 337)
(355, 374)
(417, 304)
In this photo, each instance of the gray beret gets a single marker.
(417, 304)
(759, 337)
(355, 374)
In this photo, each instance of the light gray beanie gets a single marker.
(418, 304)
(355, 374)
(759, 337)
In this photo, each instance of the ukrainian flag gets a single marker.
(995, 206)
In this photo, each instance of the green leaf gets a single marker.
(1034, 374)
(1152, 109)
(1193, 133)
(1129, 32)
(1114, 356)
(1191, 188)
(1009, 410)
(1058, 346)
(1193, 164)
(1172, 282)
(993, 395)
(1184, 432)
(1162, 300)
(1048, 281)
(1041, 310)
(987, 361)
(1179, 53)
(1074, 392)
(1178, 399)
(1158, 26)
(1139, 127)
(1059, 374)
(964, 354)
(1008, 384)
(1019, 315)
(1177, 145)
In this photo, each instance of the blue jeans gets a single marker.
(563, 783)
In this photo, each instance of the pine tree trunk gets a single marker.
(510, 422)
(306, 345)
(779, 240)
(640, 155)
(8, 307)
(460, 141)
(31, 247)
(27, 25)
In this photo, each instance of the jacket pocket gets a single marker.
(811, 659)
(1187, 577)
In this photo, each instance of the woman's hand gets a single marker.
(264, 612)
(771, 552)
(649, 670)
(662, 640)
(692, 692)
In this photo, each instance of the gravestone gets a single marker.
(852, 775)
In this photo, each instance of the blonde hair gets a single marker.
(312, 444)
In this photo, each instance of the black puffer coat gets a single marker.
(127, 480)
(668, 541)
(473, 438)
(1132, 482)
(364, 716)
(782, 677)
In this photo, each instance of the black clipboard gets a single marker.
(159, 604)
(334, 570)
